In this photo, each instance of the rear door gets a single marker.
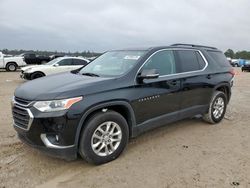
(160, 96)
(195, 83)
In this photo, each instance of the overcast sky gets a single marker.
(100, 25)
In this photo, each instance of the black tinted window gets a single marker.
(219, 58)
(79, 62)
(188, 60)
(163, 62)
(65, 62)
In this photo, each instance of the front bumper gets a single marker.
(65, 153)
(53, 133)
(25, 75)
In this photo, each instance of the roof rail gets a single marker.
(193, 45)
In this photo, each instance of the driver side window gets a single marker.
(163, 62)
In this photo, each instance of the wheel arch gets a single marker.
(225, 88)
(122, 107)
(39, 72)
(11, 62)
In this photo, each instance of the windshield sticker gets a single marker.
(132, 57)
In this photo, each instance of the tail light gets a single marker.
(232, 72)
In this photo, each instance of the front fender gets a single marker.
(100, 106)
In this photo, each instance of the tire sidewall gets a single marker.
(86, 137)
(9, 64)
(222, 95)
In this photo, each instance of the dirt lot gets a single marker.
(188, 153)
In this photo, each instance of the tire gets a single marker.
(11, 67)
(88, 147)
(36, 75)
(216, 102)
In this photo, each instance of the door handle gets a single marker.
(173, 82)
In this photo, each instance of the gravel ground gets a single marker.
(188, 153)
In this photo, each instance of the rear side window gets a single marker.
(219, 58)
(190, 60)
(163, 62)
(79, 62)
(200, 60)
(65, 62)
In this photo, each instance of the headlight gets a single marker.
(56, 105)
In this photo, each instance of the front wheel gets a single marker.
(104, 137)
(217, 108)
(36, 75)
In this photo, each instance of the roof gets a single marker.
(188, 46)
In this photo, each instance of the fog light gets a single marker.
(57, 138)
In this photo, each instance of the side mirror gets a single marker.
(148, 74)
(56, 65)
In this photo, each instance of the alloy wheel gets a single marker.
(218, 107)
(106, 138)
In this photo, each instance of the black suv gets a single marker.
(94, 111)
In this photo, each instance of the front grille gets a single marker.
(22, 102)
(21, 117)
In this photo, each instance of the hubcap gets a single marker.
(218, 107)
(12, 67)
(106, 138)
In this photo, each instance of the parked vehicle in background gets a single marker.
(56, 56)
(61, 64)
(33, 59)
(246, 67)
(11, 63)
(94, 111)
(234, 62)
(241, 62)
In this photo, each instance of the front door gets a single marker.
(159, 97)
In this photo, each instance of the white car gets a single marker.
(61, 64)
(11, 63)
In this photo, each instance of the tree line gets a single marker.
(49, 53)
(238, 55)
(229, 53)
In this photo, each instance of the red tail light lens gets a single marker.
(232, 72)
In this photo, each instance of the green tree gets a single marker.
(230, 53)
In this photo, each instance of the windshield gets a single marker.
(53, 61)
(113, 63)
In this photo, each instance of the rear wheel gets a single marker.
(217, 108)
(104, 137)
(11, 67)
(36, 75)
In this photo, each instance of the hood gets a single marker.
(59, 86)
(33, 66)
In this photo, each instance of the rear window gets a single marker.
(190, 60)
(219, 58)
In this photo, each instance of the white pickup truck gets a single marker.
(11, 63)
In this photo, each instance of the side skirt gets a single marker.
(168, 118)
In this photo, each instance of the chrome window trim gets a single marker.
(181, 73)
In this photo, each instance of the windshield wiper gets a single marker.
(90, 74)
